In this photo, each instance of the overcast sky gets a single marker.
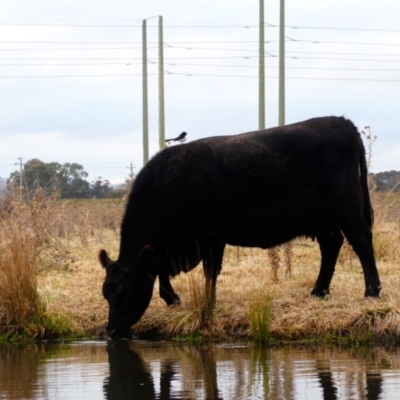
(71, 74)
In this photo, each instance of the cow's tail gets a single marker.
(367, 210)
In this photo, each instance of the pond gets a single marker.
(168, 370)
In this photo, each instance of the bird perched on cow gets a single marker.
(181, 138)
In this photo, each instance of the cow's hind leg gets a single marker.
(167, 293)
(359, 236)
(330, 242)
(212, 263)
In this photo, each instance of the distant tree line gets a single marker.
(386, 181)
(69, 180)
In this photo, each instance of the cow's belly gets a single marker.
(264, 229)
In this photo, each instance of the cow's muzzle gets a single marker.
(114, 334)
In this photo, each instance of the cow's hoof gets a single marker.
(373, 291)
(175, 301)
(318, 292)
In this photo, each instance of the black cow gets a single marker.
(257, 189)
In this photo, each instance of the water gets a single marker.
(159, 370)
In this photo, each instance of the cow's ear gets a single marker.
(105, 261)
(146, 252)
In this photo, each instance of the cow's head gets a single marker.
(128, 290)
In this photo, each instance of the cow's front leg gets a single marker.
(167, 293)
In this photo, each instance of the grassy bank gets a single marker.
(50, 282)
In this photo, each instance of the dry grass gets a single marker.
(245, 281)
(295, 314)
(40, 235)
(20, 243)
(49, 267)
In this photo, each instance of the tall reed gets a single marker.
(260, 317)
(20, 302)
(30, 240)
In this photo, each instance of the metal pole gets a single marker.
(282, 64)
(161, 113)
(20, 172)
(145, 98)
(131, 175)
(261, 72)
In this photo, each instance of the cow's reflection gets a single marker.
(329, 389)
(129, 378)
(374, 385)
(371, 391)
(209, 372)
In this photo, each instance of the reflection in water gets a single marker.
(325, 378)
(209, 370)
(329, 391)
(146, 370)
(328, 372)
(128, 375)
(165, 381)
(221, 372)
(374, 385)
(25, 366)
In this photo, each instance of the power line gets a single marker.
(246, 26)
(202, 65)
(81, 48)
(184, 26)
(206, 48)
(287, 52)
(350, 43)
(63, 58)
(289, 40)
(349, 54)
(63, 64)
(68, 25)
(185, 58)
(291, 57)
(342, 28)
(293, 78)
(197, 74)
(273, 67)
(340, 59)
(68, 42)
(69, 76)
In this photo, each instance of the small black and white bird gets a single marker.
(181, 138)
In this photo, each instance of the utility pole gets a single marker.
(131, 175)
(20, 172)
(261, 72)
(282, 64)
(161, 114)
(145, 97)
